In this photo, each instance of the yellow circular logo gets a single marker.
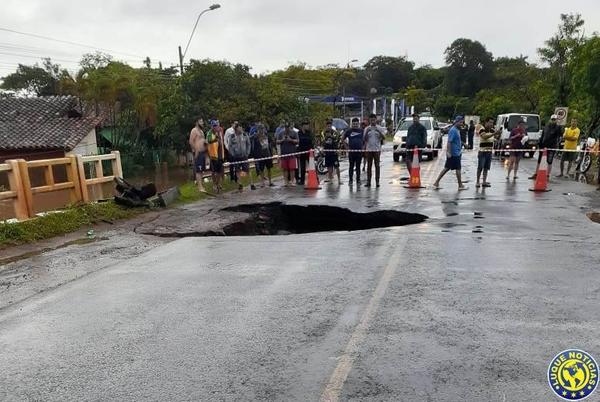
(573, 374)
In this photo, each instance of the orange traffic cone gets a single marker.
(415, 172)
(541, 178)
(312, 182)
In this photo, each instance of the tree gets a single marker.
(418, 98)
(560, 49)
(470, 67)
(390, 72)
(94, 61)
(38, 80)
(428, 78)
(586, 80)
(521, 84)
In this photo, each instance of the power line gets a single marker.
(68, 42)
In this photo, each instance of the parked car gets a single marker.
(340, 125)
(434, 137)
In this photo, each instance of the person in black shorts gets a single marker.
(551, 140)
(330, 141)
(262, 147)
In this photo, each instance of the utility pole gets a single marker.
(180, 61)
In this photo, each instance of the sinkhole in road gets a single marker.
(277, 218)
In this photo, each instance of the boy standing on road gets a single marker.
(330, 141)
(216, 153)
(571, 138)
(453, 154)
(355, 137)
(374, 138)
(198, 144)
(484, 156)
(287, 139)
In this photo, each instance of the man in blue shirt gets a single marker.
(453, 154)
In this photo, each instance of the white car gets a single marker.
(434, 137)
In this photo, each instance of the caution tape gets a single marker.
(363, 151)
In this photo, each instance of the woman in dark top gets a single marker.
(471, 134)
(516, 142)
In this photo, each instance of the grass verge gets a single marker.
(61, 222)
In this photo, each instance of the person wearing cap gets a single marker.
(330, 141)
(571, 137)
(197, 143)
(355, 139)
(305, 143)
(416, 137)
(216, 154)
(550, 140)
(287, 139)
(374, 138)
(453, 154)
(516, 143)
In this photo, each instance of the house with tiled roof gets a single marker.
(45, 127)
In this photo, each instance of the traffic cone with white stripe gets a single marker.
(541, 178)
(415, 171)
(312, 182)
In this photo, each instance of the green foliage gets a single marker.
(419, 98)
(586, 81)
(150, 111)
(470, 67)
(559, 50)
(68, 220)
(45, 80)
(394, 73)
(428, 78)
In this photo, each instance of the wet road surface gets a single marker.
(471, 304)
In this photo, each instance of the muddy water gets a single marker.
(162, 176)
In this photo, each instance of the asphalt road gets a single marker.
(470, 305)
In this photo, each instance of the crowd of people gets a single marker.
(362, 142)
(236, 147)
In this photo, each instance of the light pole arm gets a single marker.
(193, 31)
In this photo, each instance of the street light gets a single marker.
(182, 56)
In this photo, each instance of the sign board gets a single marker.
(562, 113)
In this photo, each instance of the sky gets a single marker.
(269, 35)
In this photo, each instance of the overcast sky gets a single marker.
(270, 34)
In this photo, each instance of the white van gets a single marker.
(507, 122)
(434, 137)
